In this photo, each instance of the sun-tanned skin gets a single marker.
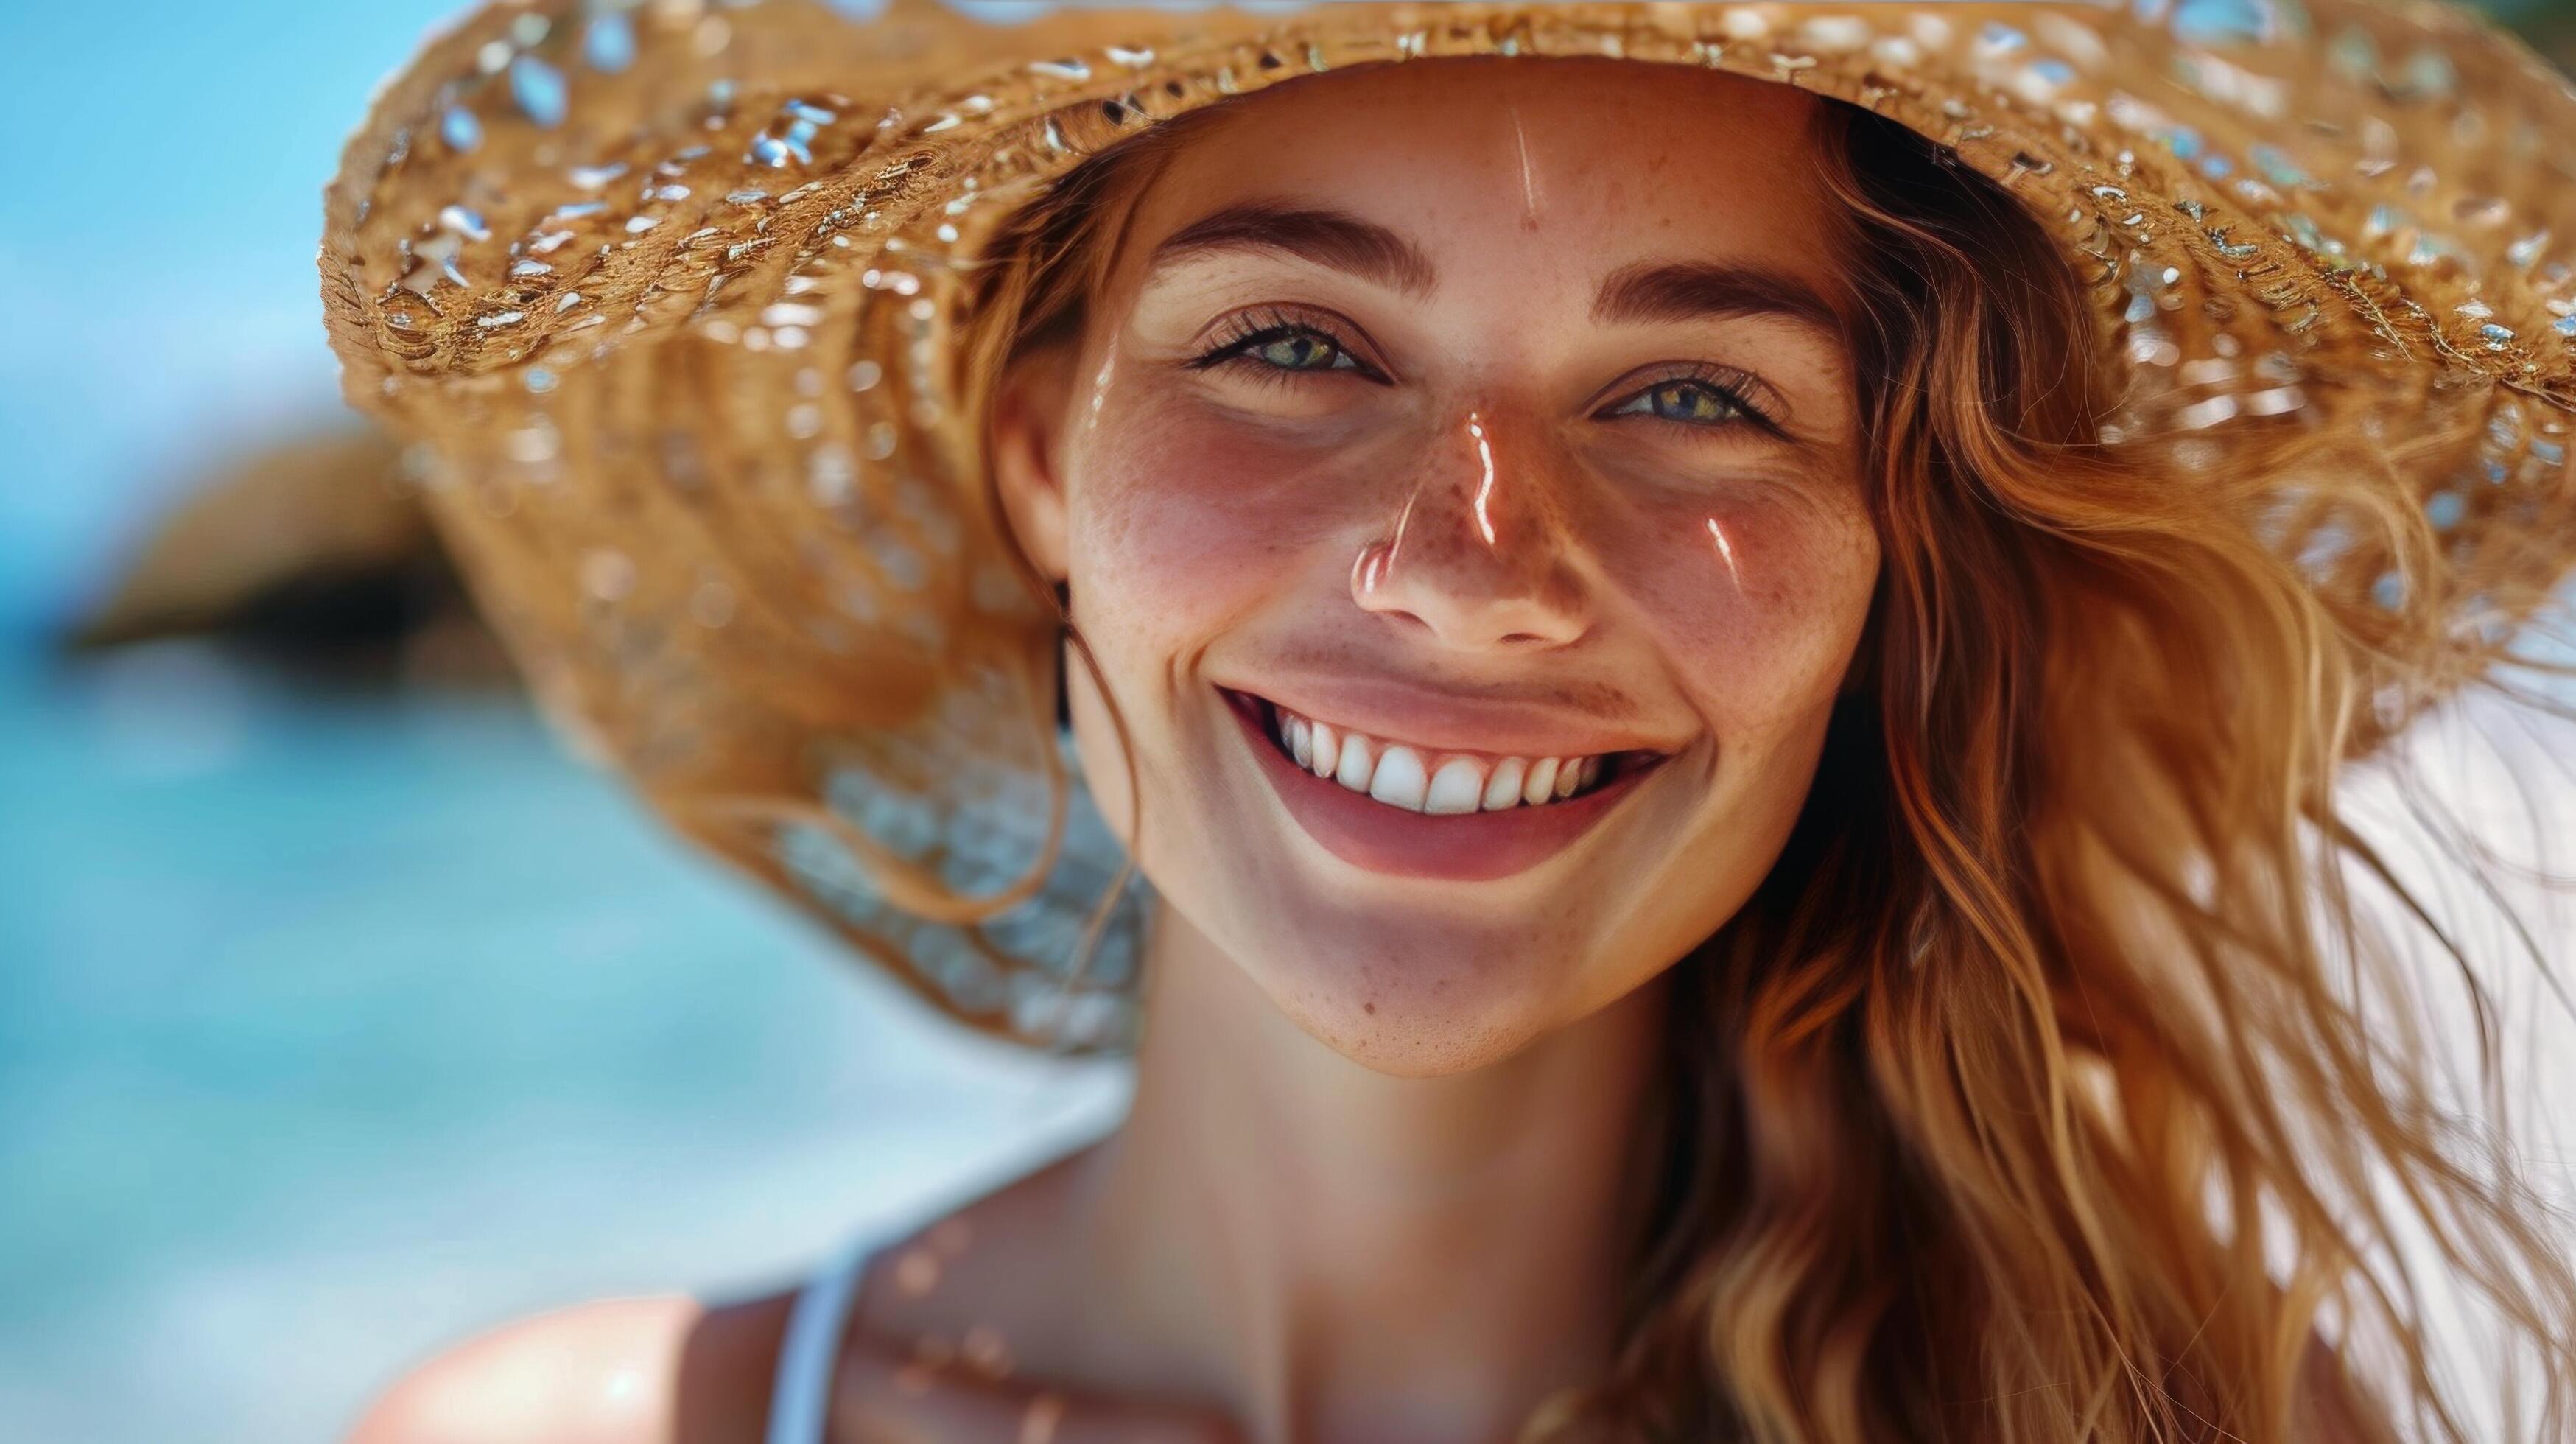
(1551, 432)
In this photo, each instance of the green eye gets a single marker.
(1300, 351)
(1277, 347)
(1692, 403)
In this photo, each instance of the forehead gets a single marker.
(1563, 162)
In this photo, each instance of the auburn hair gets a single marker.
(2045, 1090)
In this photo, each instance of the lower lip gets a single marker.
(1456, 847)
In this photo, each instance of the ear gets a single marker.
(1030, 407)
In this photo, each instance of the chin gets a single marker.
(1405, 1042)
(1449, 1004)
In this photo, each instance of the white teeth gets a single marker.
(1398, 780)
(1541, 782)
(1401, 776)
(1454, 788)
(1356, 764)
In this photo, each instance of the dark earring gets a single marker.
(1063, 692)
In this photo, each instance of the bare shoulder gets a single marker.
(667, 1369)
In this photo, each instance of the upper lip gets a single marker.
(1391, 709)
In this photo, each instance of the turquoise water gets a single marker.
(331, 1028)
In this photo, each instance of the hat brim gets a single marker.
(668, 295)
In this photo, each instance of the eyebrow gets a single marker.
(1645, 293)
(1692, 290)
(1333, 239)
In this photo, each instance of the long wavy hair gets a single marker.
(2046, 1090)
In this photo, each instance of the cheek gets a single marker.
(1182, 521)
(1757, 598)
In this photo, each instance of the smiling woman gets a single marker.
(1423, 413)
(1737, 777)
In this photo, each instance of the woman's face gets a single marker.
(1447, 436)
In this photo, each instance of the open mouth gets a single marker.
(1396, 807)
(1434, 781)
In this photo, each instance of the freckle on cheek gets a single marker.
(1187, 504)
(1680, 573)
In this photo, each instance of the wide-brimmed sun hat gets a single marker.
(668, 297)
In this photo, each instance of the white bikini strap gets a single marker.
(800, 1404)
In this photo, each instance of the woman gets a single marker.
(1724, 636)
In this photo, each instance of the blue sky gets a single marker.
(160, 197)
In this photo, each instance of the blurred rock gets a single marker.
(314, 554)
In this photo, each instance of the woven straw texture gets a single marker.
(666, 297)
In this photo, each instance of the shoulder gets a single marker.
(660, 1370)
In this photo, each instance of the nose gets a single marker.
(1478, 554)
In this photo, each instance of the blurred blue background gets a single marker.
(338, 1021)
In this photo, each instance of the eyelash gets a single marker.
(1246, 332)
(1249, 331)
(1735, 388)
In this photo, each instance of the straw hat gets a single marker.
(666, 294)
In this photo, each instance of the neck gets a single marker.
(1339, 1254)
